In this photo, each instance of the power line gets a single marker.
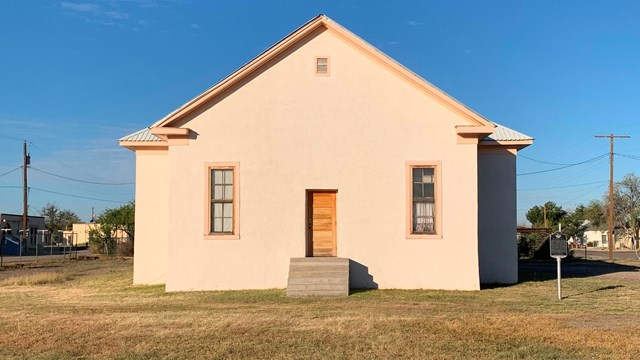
(563, 187)
(81, 181)
(564, 167)
(77, 196)
(9, 172)
(587, 193)
(634, 157)
(541, 161)
(62, 163)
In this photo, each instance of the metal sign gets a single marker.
(558, 249)
(558, 245)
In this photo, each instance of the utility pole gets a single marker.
(611, 137)
(544, 213)
(25, 204)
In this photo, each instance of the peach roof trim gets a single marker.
(323, 21)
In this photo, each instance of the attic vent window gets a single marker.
(322, 66)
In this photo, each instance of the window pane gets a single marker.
(217, 210)
(417, 175)
(228, 192)
(428, 172)
(228, 176)
(227, 225)
(423, 217)
(217, 225)
(228, 210)
(218, 192)
(417, 190)
(428, 190)
(217, 177)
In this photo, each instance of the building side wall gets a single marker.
(353, 132)
(497, 244)
(152, 217)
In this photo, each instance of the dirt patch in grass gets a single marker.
(95, 313)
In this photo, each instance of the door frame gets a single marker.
(308, 219)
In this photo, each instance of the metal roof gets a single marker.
(142, 135)
(503, 133)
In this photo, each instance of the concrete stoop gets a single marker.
(318, 276)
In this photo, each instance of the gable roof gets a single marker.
(322, 21)
(141, 135)
(503, 133)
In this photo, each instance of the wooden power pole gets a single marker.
(611, 137)
(25, 203)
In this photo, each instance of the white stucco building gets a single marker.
(324, 146)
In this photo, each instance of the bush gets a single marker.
(125, 248)
(101, 242)
(530, 246)
(535, 247)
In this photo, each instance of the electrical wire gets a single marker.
(77, 196)
(81, 181)
(564, 167)
(62, 163)
(563, 187)
(10, 171)
(587, 193)
(540, 161)
(634, 157)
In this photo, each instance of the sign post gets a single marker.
(558, 249)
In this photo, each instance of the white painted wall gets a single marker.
(152, 217)
(352, 131)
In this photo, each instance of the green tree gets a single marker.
(555, 214)
(575, 224)
(626, 206)
(56, 219)
(595, 212)
(110, 222)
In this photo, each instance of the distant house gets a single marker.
(79, 235)
(11, 224)
(323, 146)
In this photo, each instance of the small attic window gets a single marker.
(322, 65)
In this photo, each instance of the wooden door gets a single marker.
(321, 223)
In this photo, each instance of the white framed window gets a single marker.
(424, 209)
(222, 201)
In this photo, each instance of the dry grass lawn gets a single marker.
(90, 310)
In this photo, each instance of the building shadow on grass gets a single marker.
(359, 278)
(529, 271)
(536, 270)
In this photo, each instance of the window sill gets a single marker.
(222, 237)
(423, 236)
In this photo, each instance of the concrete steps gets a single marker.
(318, 276)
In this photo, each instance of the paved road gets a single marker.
(604, 254)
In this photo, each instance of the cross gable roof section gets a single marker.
(507, 137)
(478, 127)
(141, 135)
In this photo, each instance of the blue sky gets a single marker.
(77, 75)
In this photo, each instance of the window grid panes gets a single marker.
(222, 201)
(423, 200)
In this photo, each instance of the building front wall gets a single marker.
(12, 223)
(152, 217)
(497, 223)
(353, 131)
